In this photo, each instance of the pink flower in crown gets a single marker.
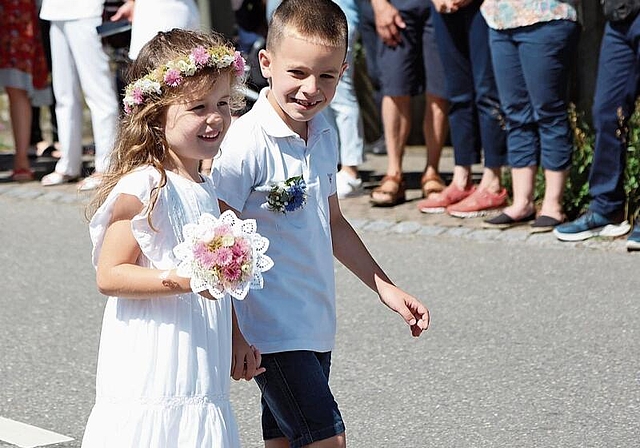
(138, 95)
(199, 56)
(238, 64)
(172, 77)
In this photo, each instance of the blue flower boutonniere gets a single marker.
(287, 196)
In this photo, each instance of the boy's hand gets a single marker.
(245, 360)
(415, 314)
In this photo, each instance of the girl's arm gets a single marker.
(117, 273)
(349, 249)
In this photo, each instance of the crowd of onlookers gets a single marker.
(494, 75)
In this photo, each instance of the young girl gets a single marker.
(165, 360)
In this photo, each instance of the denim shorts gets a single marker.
(414, 66)
(296, 400)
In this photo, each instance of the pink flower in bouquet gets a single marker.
(233, 272)
(241, 248)
(223, 256)
(203, 256)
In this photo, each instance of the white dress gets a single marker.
(164, 364)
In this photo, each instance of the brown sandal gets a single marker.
(431, 184)
(390, 192)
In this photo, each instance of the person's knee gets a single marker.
(337, 441)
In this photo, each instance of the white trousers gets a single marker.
(152, 16)
(80, 65)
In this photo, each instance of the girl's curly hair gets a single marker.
(140, 140)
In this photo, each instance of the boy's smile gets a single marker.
(303, 79)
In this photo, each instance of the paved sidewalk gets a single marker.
(404, 218)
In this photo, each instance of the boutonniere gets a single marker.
(287, 196)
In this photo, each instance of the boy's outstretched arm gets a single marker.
(349, 249)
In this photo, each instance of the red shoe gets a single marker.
(479, 203)
(438, 203)
(21, 175)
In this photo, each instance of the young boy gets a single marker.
(277, 166)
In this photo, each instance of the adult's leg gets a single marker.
(452, 42)
(66, 88)
(616, 90)
(98, 84)
(522, 132)
(396, 121)
(20, 113)
(546, 51)
(435, 129)
(398, 85)
(487, 102)
(435, 123)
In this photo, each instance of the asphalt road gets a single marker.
(530, 346)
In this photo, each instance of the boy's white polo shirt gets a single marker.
(296, 308)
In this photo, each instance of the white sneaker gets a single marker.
(347, 186)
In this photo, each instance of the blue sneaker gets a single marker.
(633, 241)
(589, 225)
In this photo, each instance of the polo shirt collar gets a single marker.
(275, 126)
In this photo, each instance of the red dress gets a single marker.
(22, 60)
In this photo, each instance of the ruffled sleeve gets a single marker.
(138, 183)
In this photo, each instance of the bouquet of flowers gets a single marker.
(223, 255)
(287, 196)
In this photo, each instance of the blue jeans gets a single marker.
(617, 87)
(474, 112)
(297, 402)
(532, 65)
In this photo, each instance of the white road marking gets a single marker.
(27, 436)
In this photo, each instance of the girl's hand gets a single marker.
(245, 362)
(245, 358)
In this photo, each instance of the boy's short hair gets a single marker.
(319, 21)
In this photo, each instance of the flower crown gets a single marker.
(172, 73)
